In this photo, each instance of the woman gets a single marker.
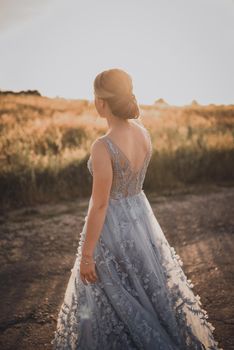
(127, 289)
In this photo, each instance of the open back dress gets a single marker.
(142, 298)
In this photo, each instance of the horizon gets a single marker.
(29, 92)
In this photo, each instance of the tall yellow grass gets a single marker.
(45, 143)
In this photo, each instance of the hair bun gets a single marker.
(115, 86)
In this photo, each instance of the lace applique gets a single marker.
(154, 280)
(182, 297)
(167, 302)
(123, 282)
(126, 182)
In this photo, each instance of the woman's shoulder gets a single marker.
(99, 147)
(139, 124)
(105, 137)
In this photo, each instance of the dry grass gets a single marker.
(45, 143)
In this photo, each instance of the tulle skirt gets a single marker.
(142, 298)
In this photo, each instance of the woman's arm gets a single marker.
(102, 180)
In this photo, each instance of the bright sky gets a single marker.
(178, 50)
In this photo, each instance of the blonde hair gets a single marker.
(115, 86)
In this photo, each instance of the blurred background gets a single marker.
(180, 55)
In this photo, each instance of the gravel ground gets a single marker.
(38, 249)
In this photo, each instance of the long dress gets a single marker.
(142, 298)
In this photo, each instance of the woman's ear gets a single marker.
(102, 102)
(97, 101)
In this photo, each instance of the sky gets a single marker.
(178, 50)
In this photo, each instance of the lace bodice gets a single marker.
(126, 182)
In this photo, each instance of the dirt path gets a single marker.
(38, 247)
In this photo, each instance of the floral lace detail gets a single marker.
(142, 298)
(125, 181)
(164, 290)
(182, 298)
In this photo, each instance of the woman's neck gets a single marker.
(115, 122)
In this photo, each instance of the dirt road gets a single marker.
(38, 247)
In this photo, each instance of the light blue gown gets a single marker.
(142, 298)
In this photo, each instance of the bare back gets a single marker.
(130, 152)
(132, 143)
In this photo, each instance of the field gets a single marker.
(45, 143)
(45, 186)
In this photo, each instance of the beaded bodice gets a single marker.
(126, 182)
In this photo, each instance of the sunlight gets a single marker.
(177, 50)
